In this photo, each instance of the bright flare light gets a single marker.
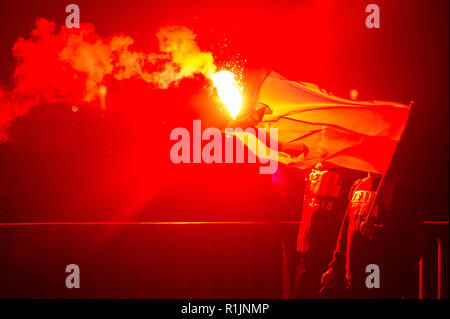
(229, 91)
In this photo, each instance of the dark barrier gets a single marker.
(433, 267)
(171, 260)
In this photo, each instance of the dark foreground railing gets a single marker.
(172, 260)
(433, 267)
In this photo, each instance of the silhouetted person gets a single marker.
(389, 239)
(325, 200)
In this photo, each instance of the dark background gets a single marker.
(96, 165)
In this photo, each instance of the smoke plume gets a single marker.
(76, 66)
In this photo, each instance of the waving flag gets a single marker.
(315, 126)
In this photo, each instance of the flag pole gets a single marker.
(384, 177)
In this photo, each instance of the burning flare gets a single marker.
(229, 91)
(77, 65)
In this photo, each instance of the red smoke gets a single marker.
(76, 66)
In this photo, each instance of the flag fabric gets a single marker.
(315, 126)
